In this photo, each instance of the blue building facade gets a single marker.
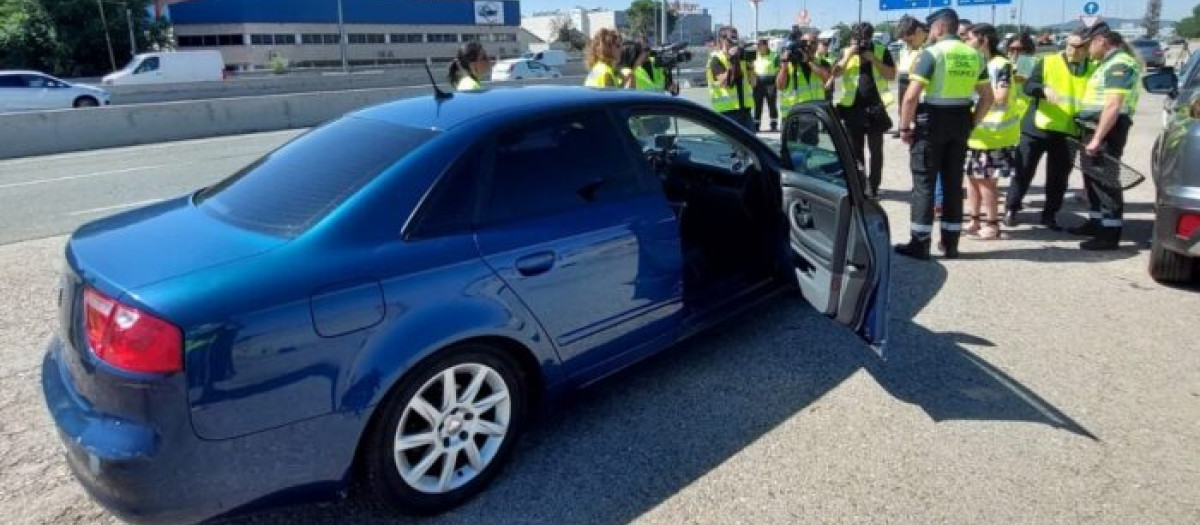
(411, 12)
(257, 34)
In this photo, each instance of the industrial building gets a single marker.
(692, 27)
(305, 33)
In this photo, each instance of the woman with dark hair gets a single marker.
(865, 70)
(635, 71)
(468, 66)
(991, 149)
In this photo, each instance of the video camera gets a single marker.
(798, 51)
(670, 56)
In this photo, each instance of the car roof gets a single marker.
(523, 102)
(22, 72)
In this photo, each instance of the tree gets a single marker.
(67, 37)
(1189, 27)
(1153, 17)
(561, 27)
(645, 17)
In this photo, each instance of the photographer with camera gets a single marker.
(730, 80)
(864, 93)
(662, 63)
(766, 68)
(802, 76)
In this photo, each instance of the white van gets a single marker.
(549, 57)
(169, 67)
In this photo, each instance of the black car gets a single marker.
(1150, 51)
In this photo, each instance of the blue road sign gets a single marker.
(1091, 8)
(893, 5)
(965, 3)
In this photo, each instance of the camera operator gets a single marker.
(801, 75)
(730, 80)
(866, 68)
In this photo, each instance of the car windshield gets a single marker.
(294, 187)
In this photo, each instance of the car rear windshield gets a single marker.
(294, 187)
(1145, 43)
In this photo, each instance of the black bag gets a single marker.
(878, 120)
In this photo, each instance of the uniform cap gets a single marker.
(1100, 28)
(939, 14)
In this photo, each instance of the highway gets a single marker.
(1027, 382)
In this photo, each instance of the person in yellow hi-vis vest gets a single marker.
(1109, 101)
(938, 115)
(992, 147)
(863, 94)
(601, 57)
(469, 65)
(731, 80)
(766, 68)
(913, 33)
(1055, 87)
(801, 77)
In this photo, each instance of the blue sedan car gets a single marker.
(389, 298)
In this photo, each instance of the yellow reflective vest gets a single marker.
(1097, 90)
(1001, 128)
(726, 98)
(848, 86)
(1060, 115)
(601, 75)
(800, 89)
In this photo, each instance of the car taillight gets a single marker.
(130, 339)
(1188, 224)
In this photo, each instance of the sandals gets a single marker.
(972, 227)
(990, 231)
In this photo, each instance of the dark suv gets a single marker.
(1176, 242)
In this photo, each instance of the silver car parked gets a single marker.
(31, 90)
(1176, 244)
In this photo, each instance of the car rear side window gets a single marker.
(558, 164)
(11, 81)
(297, 185)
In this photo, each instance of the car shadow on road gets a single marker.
(623, 447)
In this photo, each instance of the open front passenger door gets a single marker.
(838, 240)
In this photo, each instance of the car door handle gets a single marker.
(535, 263)
(802, 214)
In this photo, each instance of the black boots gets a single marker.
(948, 245)
(1089, 228)
(1106, 238)
(1050, 223)
(917, 248)
(1010, 219)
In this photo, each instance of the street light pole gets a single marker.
(860, 11)
(662, 36)
(112, 59)
(132, 41)
(342, 37)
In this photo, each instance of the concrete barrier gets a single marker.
(286, 84)
(50, 132)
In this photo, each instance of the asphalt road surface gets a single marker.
(1028, 382)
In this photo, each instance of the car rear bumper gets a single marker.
(147, 475)
(1173, 203)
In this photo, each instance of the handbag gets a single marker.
(878, 120)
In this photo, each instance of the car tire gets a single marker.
(86, 102)
(434, 433)
(1167, 266)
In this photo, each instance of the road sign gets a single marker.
(1091, 8)
(964, 3)
(1089, 21)
(893, 5)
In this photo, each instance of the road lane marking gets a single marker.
(144, 147)
(116, 207)
(76, 177)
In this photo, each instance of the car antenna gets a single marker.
(437, 91)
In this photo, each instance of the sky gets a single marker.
(825, 13)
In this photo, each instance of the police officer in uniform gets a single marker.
(1109, 100)
(766, 68)
(1054, 87)
(730, 80)
(913, 33)
(936, 121)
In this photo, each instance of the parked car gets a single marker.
(1150, 51)
(549, 57)
(169, 67)
(388, 297)
(520, 68)
(31, 90)
(1176, 153)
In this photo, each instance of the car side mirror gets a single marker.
(1163, 82)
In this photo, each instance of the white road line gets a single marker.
(116, 207)
(146, 147)
(75, 177)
